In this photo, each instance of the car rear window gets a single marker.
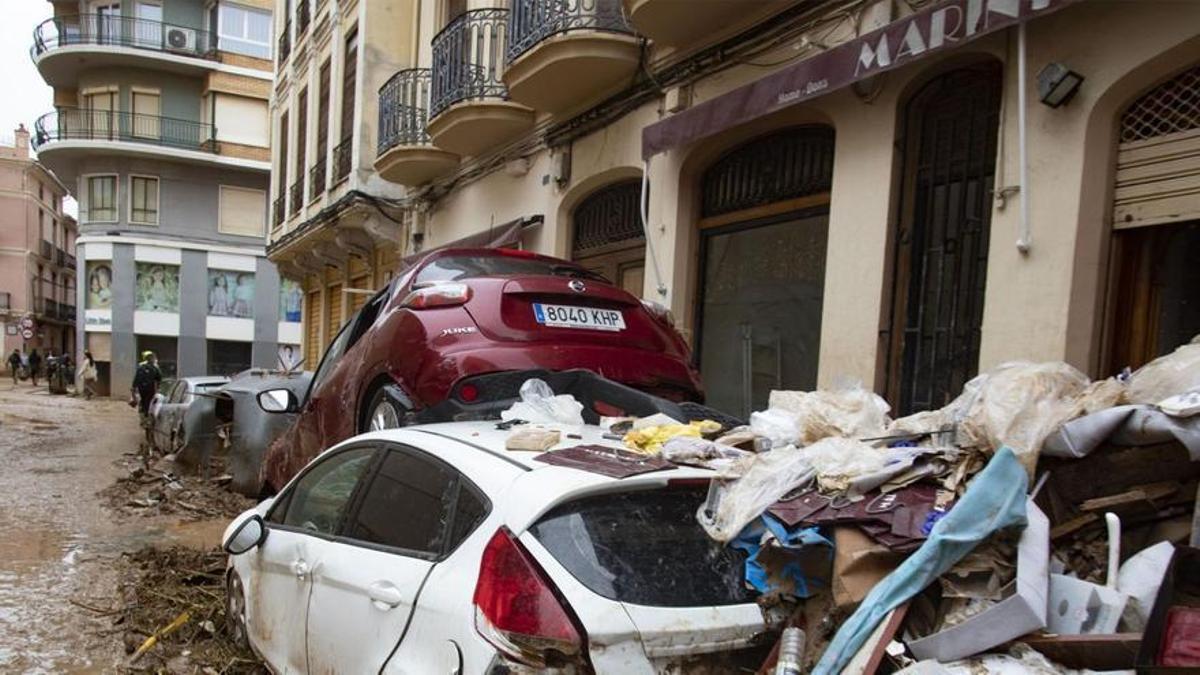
(453, 268)
(645, 548)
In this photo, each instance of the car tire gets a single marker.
(235, 611)
(384, 412)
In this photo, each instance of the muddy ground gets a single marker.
(85, 547)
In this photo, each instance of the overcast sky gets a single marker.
(25, 97)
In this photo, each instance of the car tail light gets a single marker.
(468, 393)
(519, 611)
(438, 295)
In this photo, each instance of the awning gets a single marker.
(505, 235)
(943, 26)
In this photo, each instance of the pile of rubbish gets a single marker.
(153, 486)
(173, 616)
(1039, 522)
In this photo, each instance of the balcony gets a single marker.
(405, 154)
(46, 250)
(469, 107)
(564, 54)
(682, 23)
(316, 179)
(343, 158)
(50, 309)
(296, 195)
(63, 45)
(278, 210)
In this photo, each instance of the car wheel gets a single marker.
(235, 611)
(384, 412)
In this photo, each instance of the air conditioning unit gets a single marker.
(180, 39)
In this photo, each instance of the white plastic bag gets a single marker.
(1140, 578)
(838, 461)
(777, 426)
(540, 405)
(759, 481)
(850, 411)
(1166, 376)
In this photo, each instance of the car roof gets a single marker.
(207, 379)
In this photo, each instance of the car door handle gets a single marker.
(300, 569)
(384, 595)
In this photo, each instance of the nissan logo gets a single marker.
(576, 285)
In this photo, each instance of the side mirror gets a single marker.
(278, 401)
(249, 534)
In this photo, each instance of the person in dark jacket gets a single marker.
(14, 364)
(35, 365)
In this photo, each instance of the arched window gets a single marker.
(782, 165)
(1171, 107)
(608, 235)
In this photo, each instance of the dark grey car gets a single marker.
(172, 432)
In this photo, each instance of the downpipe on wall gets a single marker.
(1024, 233)
(644, 202)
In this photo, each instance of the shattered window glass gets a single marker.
(646, 548)
(320, 497)
(406, 505)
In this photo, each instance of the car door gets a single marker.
(301, 524)
(369, 580)
(162, 407)
(308, 424)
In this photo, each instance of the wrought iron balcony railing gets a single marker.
(532, 21)
(47, 250)
(296, 194)
(404, 109)
(468, 59)
(316, 179)
(115, 125)
(122, 31)
(278, 210)
(343, 154)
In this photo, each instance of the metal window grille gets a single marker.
(782, 165)
(608, 216)
(1169, 108)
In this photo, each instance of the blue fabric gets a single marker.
(994, 500)
(798, 540)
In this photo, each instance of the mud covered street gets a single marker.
(64, 550)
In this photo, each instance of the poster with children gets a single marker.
(231, 293)
(99, 280)
(291, 298)
(157, 288)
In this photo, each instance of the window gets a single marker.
(319, 499)
(323, 113)
(101, 197)
(226, 357)
(143, 200)
(301, 135)
(243, 211)
(146, 111)
(349, 77)
(283, 153)
(406, 504)
(242, 30)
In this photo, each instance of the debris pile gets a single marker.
(155, 487)
(1038, 522)
(173, 614)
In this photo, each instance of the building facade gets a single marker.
(160, 130)
(37, 261)
(900, 194)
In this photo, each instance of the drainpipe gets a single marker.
(1024, 236)
(645, 206)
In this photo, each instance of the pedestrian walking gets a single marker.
(146, 379)
(88, 375)
(14, 364)
(35, 363)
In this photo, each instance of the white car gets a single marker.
(432, 549)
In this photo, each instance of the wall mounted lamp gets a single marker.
(1057, 84)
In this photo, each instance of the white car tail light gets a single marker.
(520, 612)
(438, 295)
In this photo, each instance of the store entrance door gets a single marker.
(760, 318)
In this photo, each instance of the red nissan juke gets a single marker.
(464, 312)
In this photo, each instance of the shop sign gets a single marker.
(945, 25)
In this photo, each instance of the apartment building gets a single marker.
(898, 193)
(37, 263)
(160, 130)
